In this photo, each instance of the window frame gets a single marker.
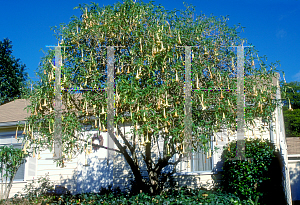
(12, 134)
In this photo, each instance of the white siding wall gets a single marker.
(60, 176)
(94, 171)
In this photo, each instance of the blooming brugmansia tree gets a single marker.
(149, 81)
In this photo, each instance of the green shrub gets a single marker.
(175, 196)
(37, 188)
(245, 178)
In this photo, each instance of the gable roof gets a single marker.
(14, 111)
(293, 145)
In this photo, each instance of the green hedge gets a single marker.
(256, 177)
(181, 196)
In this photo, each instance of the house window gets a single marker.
(200, 162)
(8, 139)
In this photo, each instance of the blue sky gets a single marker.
(272, 26)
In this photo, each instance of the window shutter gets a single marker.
(218, 162)
(20, 173)
(31, 171)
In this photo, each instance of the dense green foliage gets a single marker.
(178, 196)
(251, 178)
(12, 74)
(292, 122)
(11, 159)
(291, 109)
(292, 93)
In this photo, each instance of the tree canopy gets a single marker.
(149, 81)
(291, 109)
(12, 74)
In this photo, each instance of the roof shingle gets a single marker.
(14, 111)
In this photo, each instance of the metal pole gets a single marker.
(188, 102)
(57, 105)
(240, 154)
(110, 99)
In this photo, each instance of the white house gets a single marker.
(88, 173)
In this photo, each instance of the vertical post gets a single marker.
(188, 102)
(240, 154)
(57, 105)
(110, 99)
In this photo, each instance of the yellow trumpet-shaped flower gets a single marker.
(232, 63)
(147, 141)
(141, 47)
(229, 102)
(24, 131)
(102, 110)
(197, 82)
(177, 79)
(179, 40)
(290, 107)
(175, 115)
(17, 133)
(205, 51)
(221, 95)
(96, 123)
(137, 76)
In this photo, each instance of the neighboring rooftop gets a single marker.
(293, 145)
(14, 111)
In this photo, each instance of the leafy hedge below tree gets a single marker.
(181, 196)
(260, 177)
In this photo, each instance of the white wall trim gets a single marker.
(193, 173)
(293, 155)
(293, 161)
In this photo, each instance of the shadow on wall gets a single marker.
(294, 169)
(96, 174)
(91, 178)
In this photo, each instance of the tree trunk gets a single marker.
(2, 181)
(11, 182)
(154, 182)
